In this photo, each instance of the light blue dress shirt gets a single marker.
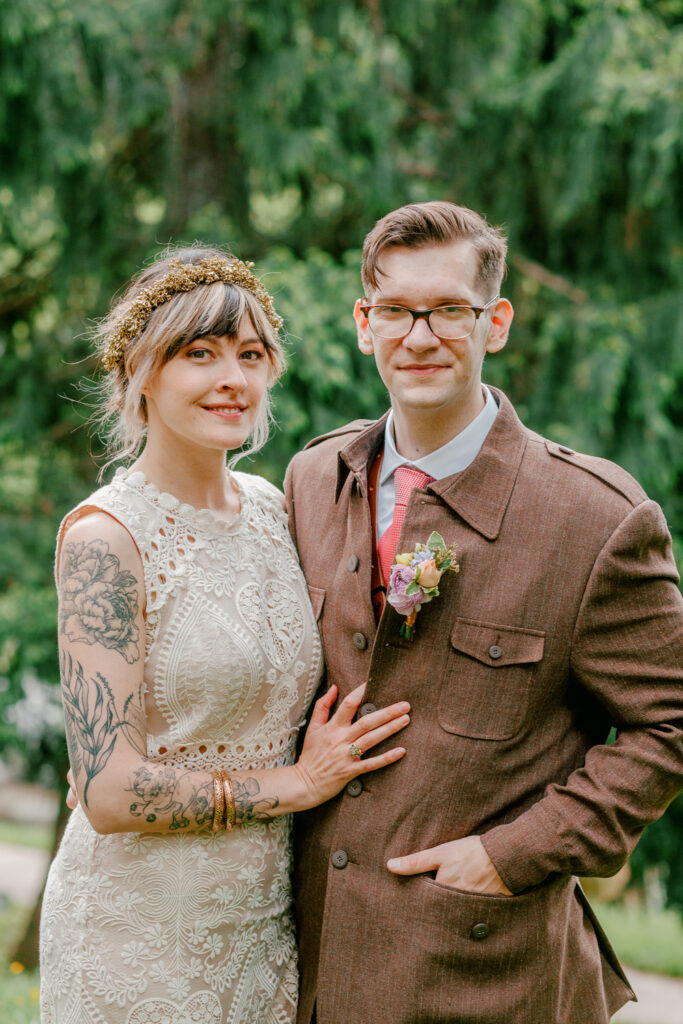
(452, 457)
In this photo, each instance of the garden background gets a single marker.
(284, 130)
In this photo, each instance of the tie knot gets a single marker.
(406, 478)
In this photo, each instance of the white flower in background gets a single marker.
(39, 712)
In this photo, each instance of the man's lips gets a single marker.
(422, 369)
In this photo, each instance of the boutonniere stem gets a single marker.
(415, 576)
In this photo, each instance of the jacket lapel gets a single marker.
(481, 493)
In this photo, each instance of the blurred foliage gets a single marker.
(284, 131)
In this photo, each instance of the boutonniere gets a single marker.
(415, 576)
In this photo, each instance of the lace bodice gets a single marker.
(225, 602)
(145, 929)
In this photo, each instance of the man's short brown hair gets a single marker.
(436, 223)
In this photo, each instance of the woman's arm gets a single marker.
(101, 646)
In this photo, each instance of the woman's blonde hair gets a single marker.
(213, 309)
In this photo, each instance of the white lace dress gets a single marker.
(190, 928)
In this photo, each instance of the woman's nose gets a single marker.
(231, 376)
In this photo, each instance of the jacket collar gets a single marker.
(359, 455)
(479, 494)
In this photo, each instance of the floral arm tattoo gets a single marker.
(249, 804)
(93, 722)
(98, 602)
(160, 789)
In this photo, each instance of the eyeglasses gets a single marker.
(451, 322)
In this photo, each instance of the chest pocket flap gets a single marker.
(475, 700)
(497, 646)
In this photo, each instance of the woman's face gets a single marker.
(210, 394)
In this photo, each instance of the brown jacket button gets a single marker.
(340, 859)
(353, 563)
(354, 787)
(360, 640)
(480, 931)
(495, 652)
(367, 709)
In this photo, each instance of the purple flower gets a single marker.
(401, 577)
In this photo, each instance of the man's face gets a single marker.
(425, 374)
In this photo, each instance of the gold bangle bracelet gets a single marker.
(218, 802)
(230, 810)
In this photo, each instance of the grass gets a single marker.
(18, 988)
(38, 837)
(19, 997)
(645, 939)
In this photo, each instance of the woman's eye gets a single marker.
(198, 354)
(251, 354)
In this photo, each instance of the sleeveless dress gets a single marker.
(193, 928)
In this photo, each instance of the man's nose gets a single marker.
(420, 338)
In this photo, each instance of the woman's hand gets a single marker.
(326, 763)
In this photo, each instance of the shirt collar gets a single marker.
(452, 457)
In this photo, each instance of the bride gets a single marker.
(189, 655)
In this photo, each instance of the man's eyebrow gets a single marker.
(450, 300)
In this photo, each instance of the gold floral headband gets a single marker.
(183, 277)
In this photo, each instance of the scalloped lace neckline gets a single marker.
(174, 506)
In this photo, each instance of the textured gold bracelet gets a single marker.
(230, 809)
(218, 802)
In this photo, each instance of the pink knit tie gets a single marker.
(405, 480)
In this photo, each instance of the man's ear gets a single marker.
(363, 330)
(501, 320)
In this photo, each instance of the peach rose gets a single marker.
(429, 574)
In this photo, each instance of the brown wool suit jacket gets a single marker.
(564, 619)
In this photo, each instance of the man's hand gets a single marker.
(462, 864)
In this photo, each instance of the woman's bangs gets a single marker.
(223, 317)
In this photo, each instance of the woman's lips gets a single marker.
(225, 412)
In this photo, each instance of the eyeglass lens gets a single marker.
(447, 322)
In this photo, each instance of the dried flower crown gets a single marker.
(183, 277)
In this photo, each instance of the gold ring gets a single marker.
(355, 751)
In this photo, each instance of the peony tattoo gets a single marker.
(415, 576)
(98, 602)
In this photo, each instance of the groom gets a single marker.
(443, 889)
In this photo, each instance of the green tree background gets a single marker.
(284, 130)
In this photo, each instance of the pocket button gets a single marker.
(340, 859)
(353, 563)
(480, 931)
(360, 641)
(495, 652)
(354, 787)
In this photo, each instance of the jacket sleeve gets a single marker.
(627, 650)
(288, 487)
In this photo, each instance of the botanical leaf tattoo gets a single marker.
(98, 602)
(93, 722)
